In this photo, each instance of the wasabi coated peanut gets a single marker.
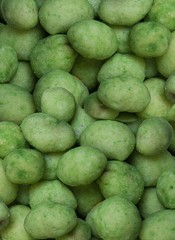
(92, 39)
(86, 70)
(115, 92)
(81, 166)
(81, 231)
(123, 64)
(26, 9)
(149, 203)
(166, 62)
(15, 229)
(87, 197)
(16, 103)
(60, 78)
(50, 220)
(113, 138)
(95, 4)
(165, 188)
(115, 218)
(9, 63)
(159, 105)
(51, 191)
(96, 109)
(58, 16)
(24, 76)
(163, 12)
(51, 161)
(80, 121)
(47, 134)
(59, 103)
(125, 13)
(50, 53)
(25, 38)
(11, 138)
(170, 88)
(153, 136)
(151, 167)
(121, 179)
(149, 39)
(24, 166)
(159, 225)
(4, 215)
(8, 190)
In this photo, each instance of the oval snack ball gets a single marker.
(50, 53)
(24, 166)
(116, 218)
(47, 134)
(113, 138)
(58, 16)
(51, 191)
(11, 138)
(153, 136)
(92, 39)
(4, 215)
(159, 225)
(149, 39)
(59, 103)
(8, 63)
(124, 13)
(20, 14)
(165, 188)
(50, 220)
(81, 166)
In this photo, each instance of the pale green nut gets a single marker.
(50, 220)
(95, 4)
(96, 109)
(24, 76)
(80, 121)
(113, 138)
(115, 92)
(51, 191)
(159, 225)
(47, 134)
(86, 70)
(59, 103)
(24, 166)
(11, 138)
(50, 53)
(81, 166)
(81, 231)
(122, 34)
(149, 203)
(92, 39)
(8, 64)
(121, 179)
(166, 62)
(23, 41)
(149, 39)
(20, 14)
(163, 12)
(8, 190)
(115, 218)
(123, 64)
(165, 188)
(51, 161)
(153, 136)
(58, 16)
(4, 215)
(63, 79)
(39, 3)
(15, 229)
(16, 103)
(124, 13)
(87, 197)
(159, 105)
(151, 167)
